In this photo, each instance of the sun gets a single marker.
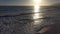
(37, 1)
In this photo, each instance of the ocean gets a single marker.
(24, 19)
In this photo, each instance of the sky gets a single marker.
(53, 1)
(15, 2)
(24, 2)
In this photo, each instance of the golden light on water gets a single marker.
(36, 9)
(36, 16)
(36, 12)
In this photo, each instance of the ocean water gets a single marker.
(24, 19)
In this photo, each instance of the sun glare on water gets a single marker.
(36, 8)
(37, 15)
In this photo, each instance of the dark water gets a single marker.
(20, 19)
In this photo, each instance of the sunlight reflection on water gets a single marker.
(37, 15)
